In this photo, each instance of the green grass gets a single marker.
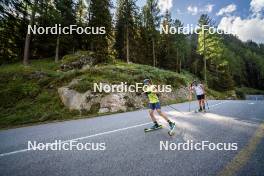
(27, 99)
(130, 73)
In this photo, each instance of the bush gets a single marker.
(243, 91)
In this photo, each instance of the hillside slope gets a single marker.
(30, 94)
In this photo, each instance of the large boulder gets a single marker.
(113, 102)
(37, 75)
(116, 102)
(181, 93)
(73, 99)
(77, 61)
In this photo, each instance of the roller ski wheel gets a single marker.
(155, 127)
(172, 129)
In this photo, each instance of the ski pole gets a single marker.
(205, 99)
(207, 104)
(189, 106)
(175, 109)
(190, 98)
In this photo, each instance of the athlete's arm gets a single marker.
(191, 88)
(155, 91)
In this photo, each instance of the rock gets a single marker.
(181, 93)
(37, 75)
(134, 101)
(73, 82)
(77, 101)
(84, 62)
(72, 99)
(115, 102)
(103, 110)
(84, 101)
(112, 102)
(86, 67)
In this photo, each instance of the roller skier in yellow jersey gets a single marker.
(154, 105)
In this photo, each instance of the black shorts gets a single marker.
(200, 97)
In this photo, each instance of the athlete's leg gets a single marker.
(200, 104)
(152, 116)
(172, 124)
(162, 114)
(203, 104)
(203, 101)
(158, 109)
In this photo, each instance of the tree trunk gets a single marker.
(205, 77)
(180, 64)
(177, 60)
(57, 49)
(153, 53)
(127, 45)
(195, 68)
(28, 36)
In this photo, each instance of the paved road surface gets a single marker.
(129, 151)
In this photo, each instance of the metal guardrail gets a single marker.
(254, 97)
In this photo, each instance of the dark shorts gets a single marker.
(154, 106)
(200, 97)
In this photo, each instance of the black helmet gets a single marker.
(146, 81)
(195, 83)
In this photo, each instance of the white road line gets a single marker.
(80, 138)
(211, 106)
(93, 135)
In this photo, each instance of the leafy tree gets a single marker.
(211, 47)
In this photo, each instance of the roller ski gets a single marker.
(153, 128)
(200, 110)
(172, 128)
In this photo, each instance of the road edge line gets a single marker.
(244, 155)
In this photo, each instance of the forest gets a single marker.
(131, 35)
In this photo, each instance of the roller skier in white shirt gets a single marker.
(199, 90)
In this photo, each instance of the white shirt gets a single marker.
(198, 89)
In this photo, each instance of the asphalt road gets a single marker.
(130, 151)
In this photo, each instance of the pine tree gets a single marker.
(65, 43)
(168, 49)
(180, 43)
(126, 29)
(13, 28)
(152, 17)
(100, 17)
(28, 35)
